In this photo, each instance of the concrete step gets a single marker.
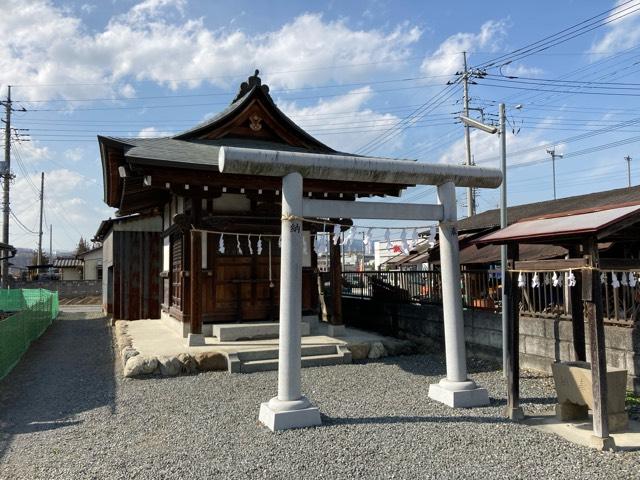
(231, 332)
(266, 360)
(272, 353)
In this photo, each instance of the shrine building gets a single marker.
(220, 258)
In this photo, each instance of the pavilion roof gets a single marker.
(490, 219)
(602, 222)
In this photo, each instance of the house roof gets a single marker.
(68, 262)
(566, 225)
(491, 218)
(84, 254)
(106, 225)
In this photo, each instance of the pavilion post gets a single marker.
(457, 390)
(195, 337)
(290, 409)
(577, 313)
(592, 297)
(577, 319)
(511, 304)
(336, 324)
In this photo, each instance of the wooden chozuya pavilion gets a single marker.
(580, 232)
(203, 209)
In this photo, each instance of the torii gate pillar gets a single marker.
(290, 409)
(457, 390)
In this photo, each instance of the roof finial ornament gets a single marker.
(252, 82)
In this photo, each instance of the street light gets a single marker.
(503, 212)
(479, 125)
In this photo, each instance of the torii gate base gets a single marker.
(459, 394)
(277, 415)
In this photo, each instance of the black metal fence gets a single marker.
(480, 288)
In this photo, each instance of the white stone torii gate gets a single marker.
(291, 409)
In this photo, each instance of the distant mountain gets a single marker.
(24, 256)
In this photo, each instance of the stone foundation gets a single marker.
(136, 365)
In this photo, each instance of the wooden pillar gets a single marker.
(195, 283)
(577, 312)
(512, 306)
(336, 284)
(592, 297)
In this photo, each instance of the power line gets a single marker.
(563, 36)
(24, 227)
(312, 97)
(434, 102)
(231, 93)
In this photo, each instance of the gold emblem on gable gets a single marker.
(255, 123)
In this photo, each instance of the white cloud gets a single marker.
(64, 206)
(152, 132)
(43, 44)
(345, 120)
(621, 34)
(486, 149)
(74, 154)
(520, 70)
(447, 58)
(31, 153)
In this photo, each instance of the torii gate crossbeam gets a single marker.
(291, 409)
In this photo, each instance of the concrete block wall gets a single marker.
(543, 341)
(65, 288)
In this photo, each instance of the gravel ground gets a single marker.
(66, 412)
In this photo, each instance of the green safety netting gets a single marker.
(24, 315)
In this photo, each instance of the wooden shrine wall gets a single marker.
(235, 286)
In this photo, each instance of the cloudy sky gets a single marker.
(363, 76)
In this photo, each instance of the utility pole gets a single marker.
(554, 155)
(471, 201)
(6, 173)
(503, 248)
(628, 159)
(50, 246)
(41, 210)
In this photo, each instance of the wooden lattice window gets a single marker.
(176, 271)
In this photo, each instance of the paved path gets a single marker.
(66, 412)
(73, 308)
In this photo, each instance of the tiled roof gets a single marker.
(68, 262)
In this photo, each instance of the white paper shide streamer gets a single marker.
(572, 279)
(336, 234)
(521, 281)
(623, 279)
(403, 240)
(367, 242)
(615, 283)
(535, 281)
(432, 237)
(221, 243)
